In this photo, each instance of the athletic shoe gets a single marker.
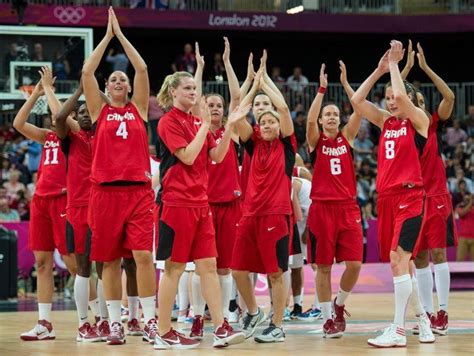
(250, 322)
(297, 310)
(123, 314)
(330, 330)
(103, 329)
(42, 331)
(117, 334)
(225, 335)
(286, 315)
(441, 323)
(174, 312)
(425, 335)
(86, 333)
(150, 331)
(272, 333)
(339, 320)
(393, 336)
(197, 329)
(432, 318)
(174, 340)
(234, 316)
(207, 315)
(133, 328)
(311, 314)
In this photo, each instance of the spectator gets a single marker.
(185, 62)
(379, 100)
(346, 112)
(9, 57)
(455, 135)
(465, 212)
(155, 112)
(38, 54)
(5, 173)
(7, 214)
(61, 67)
(32, 186)
(13, 186)
(118, 61)
(277, 78)
(460, 176)
(33, 154)
(300, 128)
(297, 84)
(218, 69)
(470, 120)
(298, 108)
(362, 146)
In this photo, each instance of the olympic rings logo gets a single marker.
(69, 14)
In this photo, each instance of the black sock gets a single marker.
(233, 305)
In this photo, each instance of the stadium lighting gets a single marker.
(295, 10)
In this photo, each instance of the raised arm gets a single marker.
(196, 109)
(266, 77)
(91, 87)
(141, 83)
(352, 127)
(416, 115)
(47, 82)
(345, 83)
(20, 122)
(231, 78)
(312, 127)
(248, 79)
(62, 126)
(446, 106)
(366, 108)
(410, 61)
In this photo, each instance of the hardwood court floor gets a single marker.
(370, 313)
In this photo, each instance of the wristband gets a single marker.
(321, 90)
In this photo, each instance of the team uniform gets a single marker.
(48, 208)
(264, 228)
(121, 202)
(186, 230)
(438, 226)
(334, 217)
(224, 199)
(400, 187)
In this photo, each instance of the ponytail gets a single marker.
(171, 81)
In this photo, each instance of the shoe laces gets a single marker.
(247, 320)
(270, 328)
(116, 328)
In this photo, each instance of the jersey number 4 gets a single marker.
(51, 156)
(122, 130)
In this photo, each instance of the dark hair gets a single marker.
(410, 89)
(260, 92)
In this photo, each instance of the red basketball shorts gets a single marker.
(335, 231)
(47, 229)
(121, 221)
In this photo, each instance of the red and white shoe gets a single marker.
(42, 331)
(432, 318)
(340, 320)
(86, 333)
(393, 336)
(197, 329)
(225, 335)
(330, 330)
(174, 340)
(117, 334)
(133, 328)
(440, 326)
(103, 329)
(150, 331)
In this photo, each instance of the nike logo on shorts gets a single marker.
(440, 206)
(358, 220)
(63, 215)
(403, 206)
(271, 228)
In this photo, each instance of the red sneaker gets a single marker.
(150, 331)
(441, 323)
(339, 320)
(174, 340)
(133, 328)
(197, 330)
(103, 329)
(225, 335)
(117, 334)
(42, 331)
(330, 330)
(86, 333)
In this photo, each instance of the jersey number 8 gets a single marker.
(389, 149)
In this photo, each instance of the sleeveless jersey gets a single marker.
(224, 177)
(398, 160)
(52, 169)
(333, 176)
(432, 166)
(120, 146)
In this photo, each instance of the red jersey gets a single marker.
(52, 169)
(78, 150)
(334, 176)
(399, 152)
(432, 166)
(269, 184)
(224, 177)
(244, 172)
(120, 146)
(182, 185)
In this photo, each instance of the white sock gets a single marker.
(326, 309)
(94, 305)
(44, 311)
(149, 308)
(443, 284)
(425, 288)
(104, 313)
(133, 307)
(183, 295)
(226, 290)
(403, 287)
(297, 299)
(198, 300)
(341, 297)
(415, 298)
(81, 295)
(113, 307)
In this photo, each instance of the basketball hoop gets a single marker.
(27, 90)
(41, 105)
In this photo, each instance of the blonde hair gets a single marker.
(269, 112)
(171, 81)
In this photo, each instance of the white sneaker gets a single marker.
(393, 336)
(42, 331)
(425, 335)
(234, 316)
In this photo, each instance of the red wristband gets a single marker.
(322, 90)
